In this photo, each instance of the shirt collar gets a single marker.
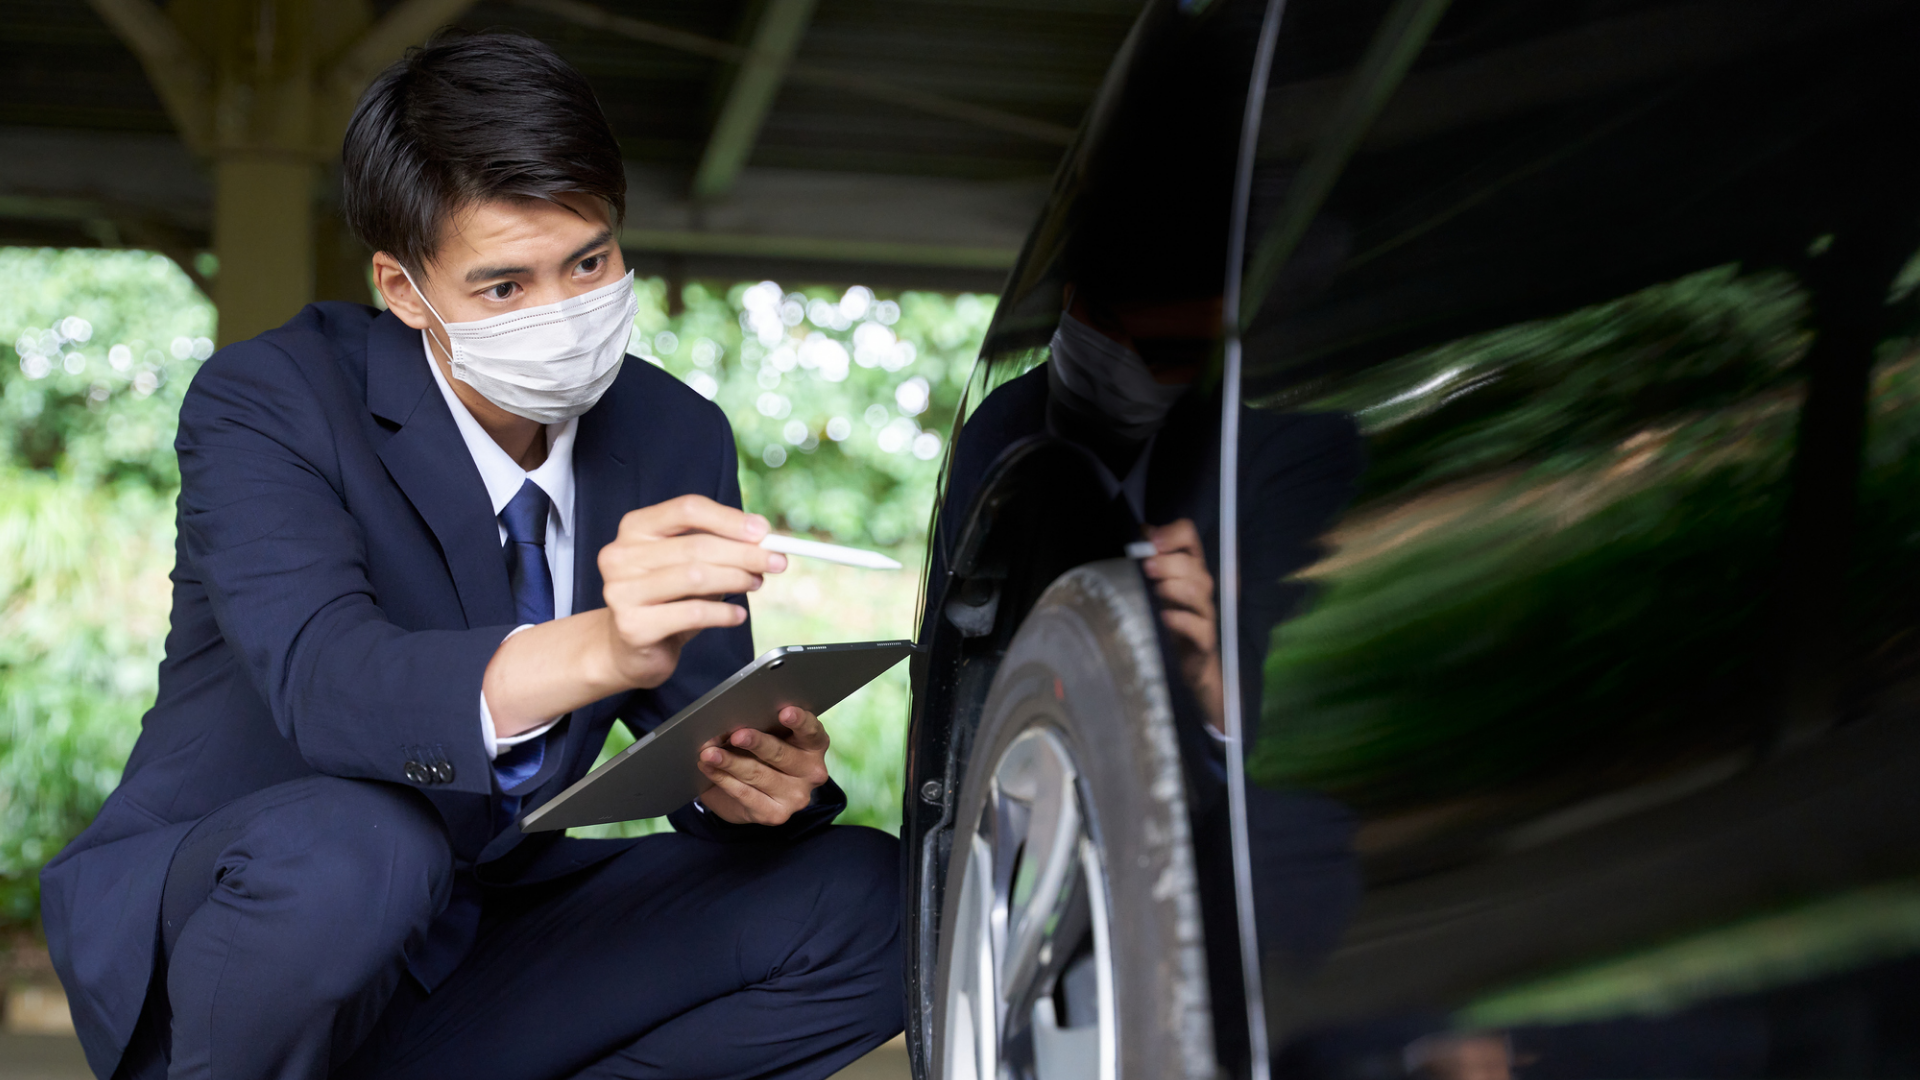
(502, 475)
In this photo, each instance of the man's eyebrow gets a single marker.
(487, 273)
(602, 240)
(483, 273)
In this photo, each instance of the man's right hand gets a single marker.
(1185, 588)
(664, 575)
(663, 578)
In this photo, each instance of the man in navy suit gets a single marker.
(426, 558)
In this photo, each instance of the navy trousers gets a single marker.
(289, 913)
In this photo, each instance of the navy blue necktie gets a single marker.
(525, 519)
(531, 580)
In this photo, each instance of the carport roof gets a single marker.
(908, 142)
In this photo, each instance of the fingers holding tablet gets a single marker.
(765, 779)
(808, 732)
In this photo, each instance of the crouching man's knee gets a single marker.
(287, 919)
(371, 845)
(860, 871)
(347, 870)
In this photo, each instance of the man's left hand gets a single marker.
(763, 779)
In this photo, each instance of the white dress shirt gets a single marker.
(503, 477)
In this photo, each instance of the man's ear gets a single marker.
(401, 297)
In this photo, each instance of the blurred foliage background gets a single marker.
(840, 401)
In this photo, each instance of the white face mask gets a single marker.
(548, 363)
(1094, 374)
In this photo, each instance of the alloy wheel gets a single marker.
(1030, 993)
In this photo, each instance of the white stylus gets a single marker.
(814, 549)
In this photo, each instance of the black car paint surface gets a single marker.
(1576, 517)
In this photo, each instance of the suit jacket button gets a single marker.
(443, 772)
(418, 773)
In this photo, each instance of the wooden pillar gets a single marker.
(262, 90)
(263, 237)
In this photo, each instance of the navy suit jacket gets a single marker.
(338, 591)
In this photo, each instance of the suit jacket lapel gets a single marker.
(602, 495)
(429, 460)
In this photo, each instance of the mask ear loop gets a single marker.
(421, 293)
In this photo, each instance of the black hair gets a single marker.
(467, 118)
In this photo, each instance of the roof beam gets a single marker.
(185, 78)
(110, 226)
(750, 97)
(179, 73)
(892, 93)
(411, 22)
(817, 248)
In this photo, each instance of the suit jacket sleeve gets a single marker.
(264, 521)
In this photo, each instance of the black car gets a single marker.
(1425, 581)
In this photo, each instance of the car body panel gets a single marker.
(1570, 413)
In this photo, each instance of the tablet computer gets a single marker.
(661, 773)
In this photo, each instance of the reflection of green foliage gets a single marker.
(1607, 595)
(1825, 937)
(1558, 390)
(87, 478)
(1577, 594)
(1473, 657)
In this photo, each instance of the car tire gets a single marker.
(1071, 945)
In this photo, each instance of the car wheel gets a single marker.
(1070, 929)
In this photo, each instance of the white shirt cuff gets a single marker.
(493, 743)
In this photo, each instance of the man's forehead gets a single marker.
(525, 229)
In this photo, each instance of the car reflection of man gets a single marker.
(1104, 395)
(426, 558)
(1120, 382)
(1125, 381)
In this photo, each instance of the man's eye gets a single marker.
(592, 263)
(502, 291)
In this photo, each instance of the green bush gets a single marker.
(83, 610)
(106, 342)
(840, 401)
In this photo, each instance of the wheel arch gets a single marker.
(1043, 508)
